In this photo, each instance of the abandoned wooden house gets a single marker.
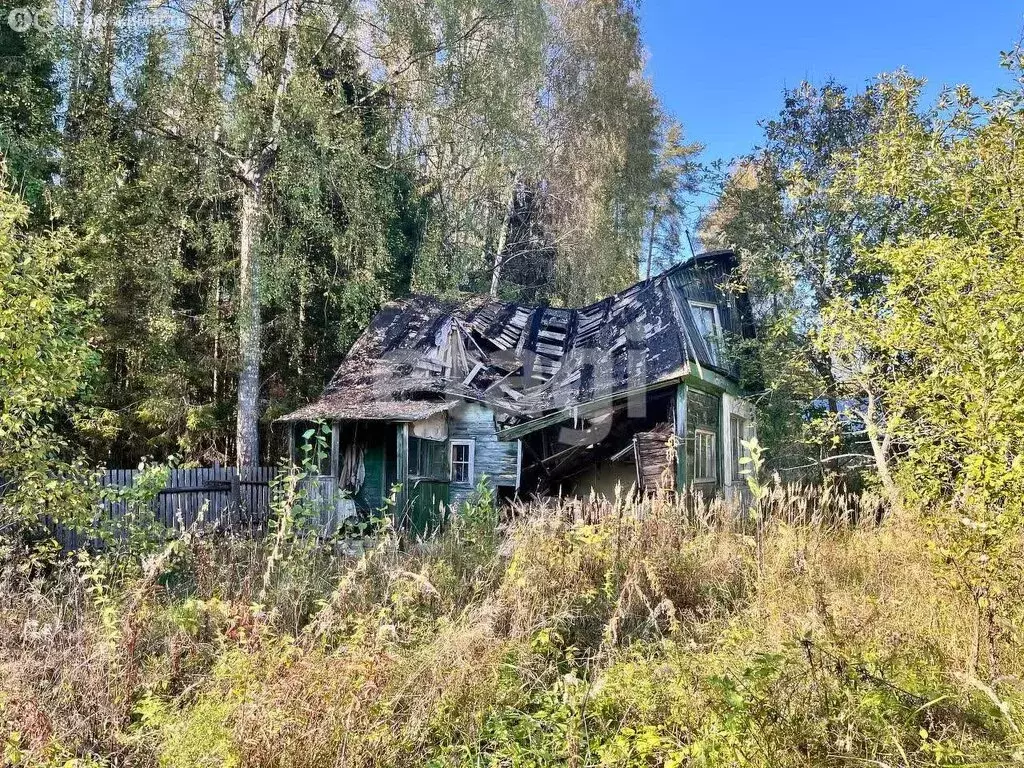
(637, 390)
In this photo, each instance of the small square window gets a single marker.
(462, 462)
(427, 459)
(705, 459)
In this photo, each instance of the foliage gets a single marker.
(28, 99)
(238, 193)
(45, 361)
(603, 165)
(355, 153)
(795, 220)
(881, 245)
(675, 179)
(933, 359)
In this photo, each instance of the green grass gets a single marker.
(655, 637)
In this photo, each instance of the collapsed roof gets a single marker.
(420, 354)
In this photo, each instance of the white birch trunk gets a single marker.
(250, 341)
(880, 452)
(253, 172)
(499, 255)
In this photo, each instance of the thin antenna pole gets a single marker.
(689, 242)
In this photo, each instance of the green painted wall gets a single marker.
(681, 476)
(697, 408)
(428, 501)
(703, 411)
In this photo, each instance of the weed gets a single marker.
(626, 633)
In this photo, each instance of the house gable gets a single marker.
(464, 391)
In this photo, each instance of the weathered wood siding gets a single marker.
(493, 458)
(656, 466)
(219, 494)
(706, 284)
(709, 284)
(680, 416)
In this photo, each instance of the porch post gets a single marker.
(401, 472)
(681, 398)
(725, 430)
(335, 450)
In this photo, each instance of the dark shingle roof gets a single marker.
(523, 361)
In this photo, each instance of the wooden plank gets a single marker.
(187, 493)
(335, 449)
(429, 365)
(472, 374)
(549, 350)
(402, 470)
(548, 334)
(510, 392)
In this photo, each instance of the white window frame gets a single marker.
(697, 477)
(471, 444)
(737, 450)
(714, 347)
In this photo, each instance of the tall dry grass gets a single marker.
(574, 633)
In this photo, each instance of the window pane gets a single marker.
(706, 320)
(704, 317)
(414, 456)
(704, 464)
(438, 463)
(461, 463)
(428, 458)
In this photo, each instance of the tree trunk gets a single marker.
(253, 172)
(250, 343)
(880, 451)
(892, 492)
(499, 255)
(216, 342)
(650, 242)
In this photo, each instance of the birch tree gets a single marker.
(251, 49)
(465, 78)
(603, 122)
(676, 179)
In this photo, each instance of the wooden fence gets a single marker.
(223, 495)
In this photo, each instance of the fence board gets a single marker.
(221, 495)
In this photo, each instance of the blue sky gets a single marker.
(721, 66)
